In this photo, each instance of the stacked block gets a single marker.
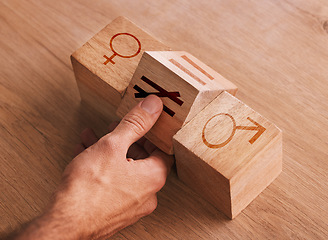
(238, 149)
(185, 85)
(104, 66)
(224, 150)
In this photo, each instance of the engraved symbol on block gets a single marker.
(260, 129)
(162, 93)
(115, 53)
(192, 63)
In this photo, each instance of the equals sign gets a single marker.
(192, 63)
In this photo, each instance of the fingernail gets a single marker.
(152, 104)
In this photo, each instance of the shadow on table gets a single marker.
(181, 214)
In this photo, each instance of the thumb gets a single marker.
(139, 120)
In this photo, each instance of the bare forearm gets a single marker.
(50, 226)
(103, 190)
(56, 224)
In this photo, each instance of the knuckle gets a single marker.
(160, 182)
(108, 142)
(151, 205)
(136, 122)
(159, 178)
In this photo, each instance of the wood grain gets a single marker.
(274, 51)
(183, 96)
(228, 154)
(103, 66)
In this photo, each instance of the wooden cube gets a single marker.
(185, 84)
(104, 65)
(228, 154)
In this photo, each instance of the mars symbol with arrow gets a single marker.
(256, 127)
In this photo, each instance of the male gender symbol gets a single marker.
(259, 128)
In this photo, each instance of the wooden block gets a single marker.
(228, 154)
(104, 66)
(185, 84)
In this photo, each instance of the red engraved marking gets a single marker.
(110, 59)
(142, 94)
(222, 144)
(171, 95)
(168, 111)
(197, 67)
(162, 93)
(259, 128)
(187, 71)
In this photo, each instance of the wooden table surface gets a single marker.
(276, 52)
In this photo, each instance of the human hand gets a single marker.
(103, 191)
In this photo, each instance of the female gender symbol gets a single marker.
(110, 59)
